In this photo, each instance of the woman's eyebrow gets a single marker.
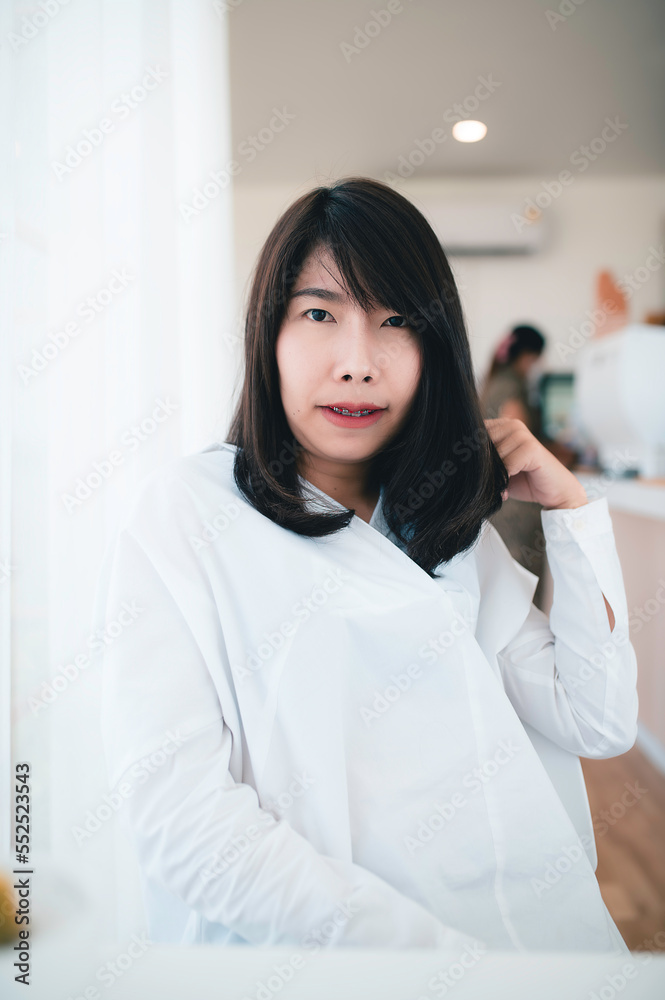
(319, 293)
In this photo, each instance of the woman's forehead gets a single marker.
(320, 268)
(319, 271)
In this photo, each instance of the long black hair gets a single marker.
(441, 474)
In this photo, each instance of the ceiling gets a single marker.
(554, 83)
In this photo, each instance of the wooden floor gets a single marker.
(630, 842)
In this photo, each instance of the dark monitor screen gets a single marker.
(556, 391)
(560, 417)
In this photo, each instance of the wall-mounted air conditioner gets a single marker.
(472, 228)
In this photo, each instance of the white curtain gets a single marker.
(116, 306)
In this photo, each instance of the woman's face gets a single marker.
(330, 352)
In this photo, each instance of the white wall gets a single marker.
(595, 224)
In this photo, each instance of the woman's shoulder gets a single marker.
(188, 484)
(492, 555)
(506, 588)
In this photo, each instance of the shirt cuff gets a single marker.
(577, 523)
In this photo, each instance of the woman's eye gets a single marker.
(318, 316)
(321, 313)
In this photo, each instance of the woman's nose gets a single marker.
(357, 349)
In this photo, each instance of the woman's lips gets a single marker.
(346, 420)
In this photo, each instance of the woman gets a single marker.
(505, 393)
(506, 389)
(318, 722)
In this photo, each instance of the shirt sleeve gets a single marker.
(170, 754)
(572, 677)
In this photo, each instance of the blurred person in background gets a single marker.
(505, 392)
(508, 391)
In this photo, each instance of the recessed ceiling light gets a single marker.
(469, 131)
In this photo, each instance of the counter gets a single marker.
(643, 497)
(637, 509)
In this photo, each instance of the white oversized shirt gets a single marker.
(318, 744)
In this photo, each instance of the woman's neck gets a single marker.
(346, 483)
